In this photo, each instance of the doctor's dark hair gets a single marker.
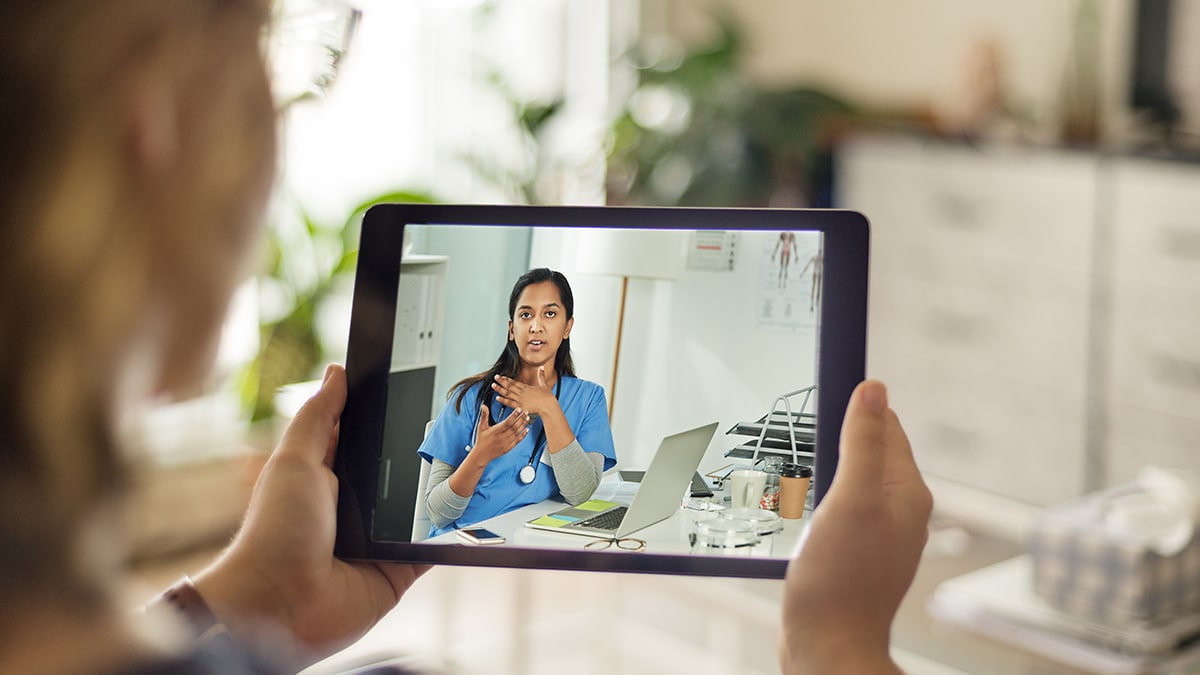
(509, 361)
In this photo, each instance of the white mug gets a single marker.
(746, 487)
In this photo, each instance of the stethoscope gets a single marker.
(528, 472)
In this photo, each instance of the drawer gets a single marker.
(1138, 437)
(1013, 221)
(1156, 227)
(986, 270)
(1155, 361)
(1029, 339)
(1011, 438)
(1026, 206)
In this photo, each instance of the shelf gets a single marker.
(804, 453)
(804, 425)
(803, 443)
(783, 433)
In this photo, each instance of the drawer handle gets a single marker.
(1181, 243)
(1176, 372)
(954, 327)
(952, 437)
(960, 213)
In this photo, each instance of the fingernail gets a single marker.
(328, 374)
(874, 395)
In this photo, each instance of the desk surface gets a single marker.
(669, 536)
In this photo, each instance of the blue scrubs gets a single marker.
(500, 489)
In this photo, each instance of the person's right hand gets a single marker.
(493, 440)
(845, 585)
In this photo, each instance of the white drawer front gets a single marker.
(1011, 438)
(1155, 360)
(1030, 339)
(1138, 437)
(1156, 233)
(1010, 221)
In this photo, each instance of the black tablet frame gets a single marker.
(841, 359)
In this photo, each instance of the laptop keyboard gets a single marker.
(609, 520)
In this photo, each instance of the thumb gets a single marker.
(483, 424)
(541, 376)
(308, 435)
(863, 447)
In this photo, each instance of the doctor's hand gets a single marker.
(536, 399)
(280, 571)
(493, 440)
(846, 583)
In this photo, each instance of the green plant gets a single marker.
(697, 132)
(525, 181)
(301, 272)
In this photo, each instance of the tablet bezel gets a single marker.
(841, 351)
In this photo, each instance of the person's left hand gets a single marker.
(536, 399)
(280, 569)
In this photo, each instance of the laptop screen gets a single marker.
(667, 329)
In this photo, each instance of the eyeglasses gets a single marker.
(307, 45)
(624, 543)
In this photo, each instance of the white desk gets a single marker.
(669, 536)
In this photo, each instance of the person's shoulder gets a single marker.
(471, 387)
(583, 388)
(586, 386)
(466, 391)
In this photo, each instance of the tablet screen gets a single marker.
(675, 342)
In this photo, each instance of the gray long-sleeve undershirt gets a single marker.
(577, 472)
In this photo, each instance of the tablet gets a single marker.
(679, 317)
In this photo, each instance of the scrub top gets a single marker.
(500, 489)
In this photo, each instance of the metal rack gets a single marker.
(780, 432)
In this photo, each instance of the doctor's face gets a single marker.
(539, 324)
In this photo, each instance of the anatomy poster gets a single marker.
(789, 294)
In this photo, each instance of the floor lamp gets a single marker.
(628, 254)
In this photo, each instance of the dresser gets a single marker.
(1033, 310)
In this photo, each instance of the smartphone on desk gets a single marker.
(479, 535)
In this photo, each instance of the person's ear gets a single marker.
(152, 129)
(510, 331)
(567, 330)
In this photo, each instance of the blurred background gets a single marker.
(1028, 168)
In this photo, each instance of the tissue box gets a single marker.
(1084, 569)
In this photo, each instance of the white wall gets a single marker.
(692, 350)
(907, 52)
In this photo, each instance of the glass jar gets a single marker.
(764, 522)
(772, 466)
(725, 537)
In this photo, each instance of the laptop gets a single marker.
(657, 498)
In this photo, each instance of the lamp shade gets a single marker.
(641, 254)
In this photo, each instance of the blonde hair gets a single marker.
(92, 234)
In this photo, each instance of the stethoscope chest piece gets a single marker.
(528, 473)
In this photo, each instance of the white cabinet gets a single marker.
(1035, 312)
(416, 348)
(1152, 405)
(420, 311)
(980, 305)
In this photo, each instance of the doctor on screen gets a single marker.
(525, 430)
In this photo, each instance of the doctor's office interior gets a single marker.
(1030, 173)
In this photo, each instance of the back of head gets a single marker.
(138, 145)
